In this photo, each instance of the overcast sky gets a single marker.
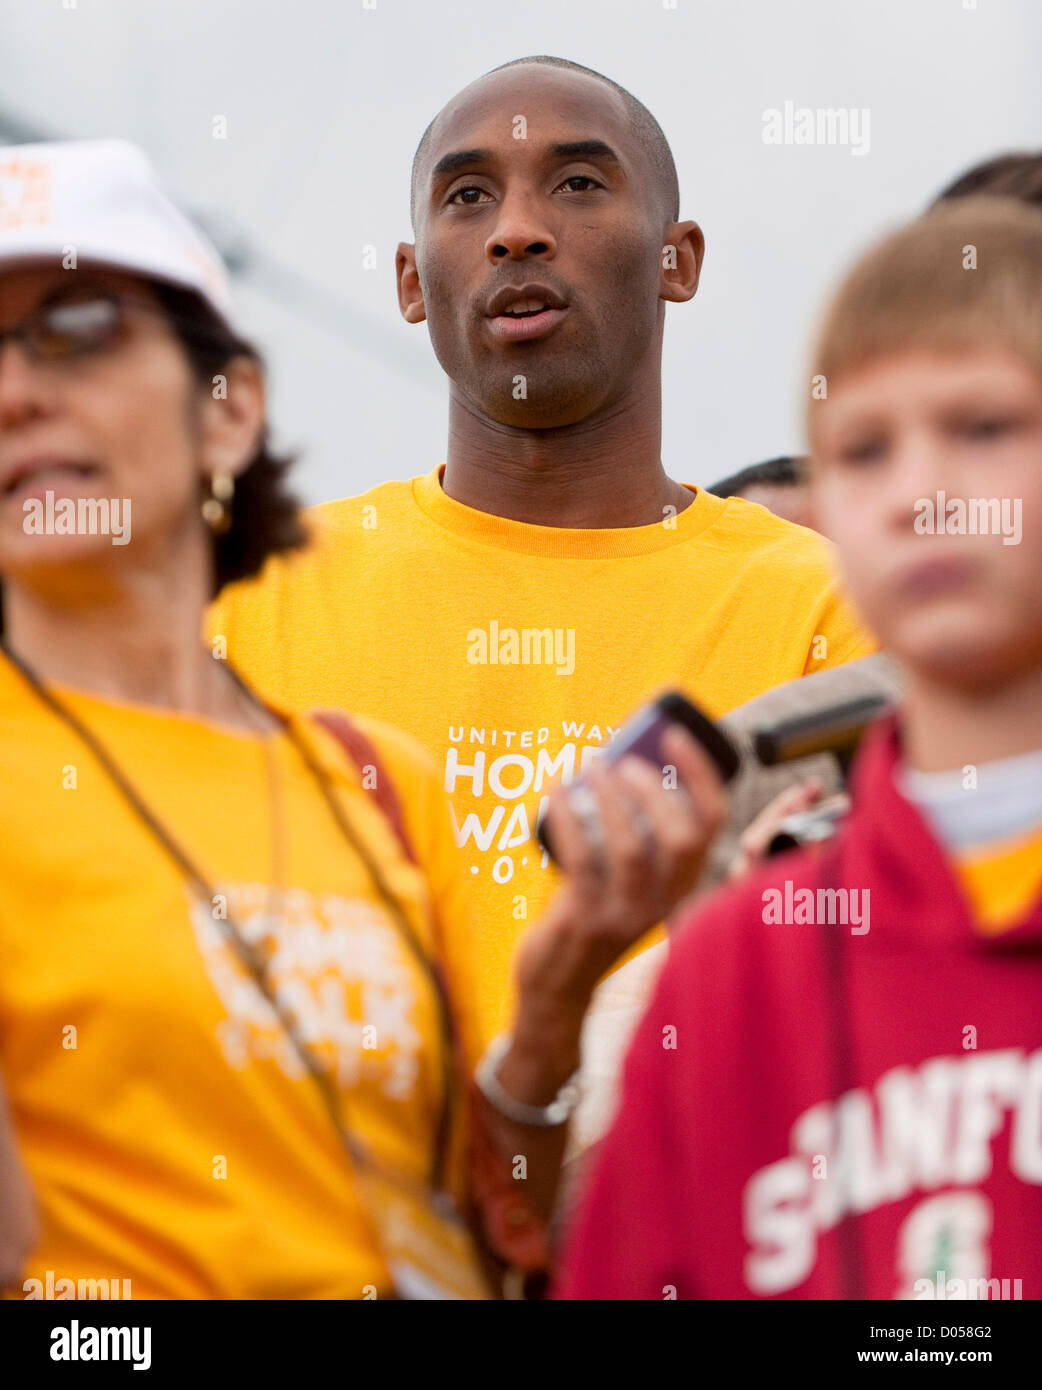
(325, 100)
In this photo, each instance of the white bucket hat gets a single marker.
(101, 202)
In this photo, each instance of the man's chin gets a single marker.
(531, 406)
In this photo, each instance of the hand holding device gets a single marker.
(642, 736)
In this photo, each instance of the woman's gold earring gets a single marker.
(217, 508)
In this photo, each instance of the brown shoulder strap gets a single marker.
(360, 750)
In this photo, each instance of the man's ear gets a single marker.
(683, 251)
(233, 418)
(410, 295)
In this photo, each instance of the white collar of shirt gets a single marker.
(978, 805)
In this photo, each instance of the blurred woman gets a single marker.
(234, 1027)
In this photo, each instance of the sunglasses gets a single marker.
(69, 329)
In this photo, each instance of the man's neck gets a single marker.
(138, 641)
(946, 728)
(603, 472)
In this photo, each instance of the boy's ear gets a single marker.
(233, 416)
(683, 251)
(410, 295)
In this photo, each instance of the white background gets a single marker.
(325, 101)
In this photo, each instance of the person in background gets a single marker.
(760, 798)
(511, 607)
(779, 484)
(836, 1091)
(1016, 175)
(237, 1030)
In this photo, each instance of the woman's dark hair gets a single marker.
(265, 516)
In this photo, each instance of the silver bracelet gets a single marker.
(544, 1116)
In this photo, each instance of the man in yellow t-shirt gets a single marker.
(511, 608)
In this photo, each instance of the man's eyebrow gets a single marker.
(571, 149)
(575, 149)
(459, 159)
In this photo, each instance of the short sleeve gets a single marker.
(839, 635)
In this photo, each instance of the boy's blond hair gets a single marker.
(916, 289)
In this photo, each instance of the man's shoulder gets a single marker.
(338, 532)
(359, 517)
(765, 538)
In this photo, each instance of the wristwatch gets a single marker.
(544, 1116)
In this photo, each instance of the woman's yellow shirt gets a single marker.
(170, 1135)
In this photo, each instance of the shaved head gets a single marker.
(649, 134)
(544, 176)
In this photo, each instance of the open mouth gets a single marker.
(526, 308)
(525, 311)
(534, 323)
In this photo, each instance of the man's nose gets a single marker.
(24, 393)
(522, 230)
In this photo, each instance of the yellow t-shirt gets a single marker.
(168, 1130)
(513, 652)
(1001, 881)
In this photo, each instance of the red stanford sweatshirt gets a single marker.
(816, 1110)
